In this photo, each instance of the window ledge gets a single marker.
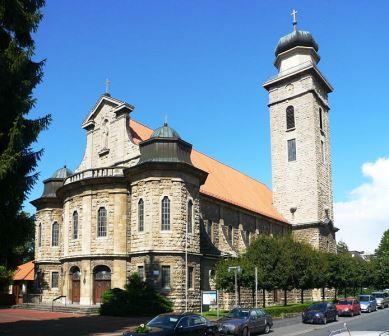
(322, 132)
(291, 129)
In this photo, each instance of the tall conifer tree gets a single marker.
(19, 76)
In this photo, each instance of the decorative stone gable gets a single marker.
(109, 142)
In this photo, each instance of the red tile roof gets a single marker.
(25, 272)
(223, 182)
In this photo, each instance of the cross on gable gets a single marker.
(294, 14)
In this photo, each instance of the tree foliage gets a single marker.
(139, 298)
(283, 263)
(19, 74)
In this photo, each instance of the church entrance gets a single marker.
(75, 276)
(101, 282)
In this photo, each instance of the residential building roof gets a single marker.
(224, 183)
(25, 272)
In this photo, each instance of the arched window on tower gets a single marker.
(102, 222)
(321, 118)
(165, 214)
(290, 123)
(75, 225)
(141, 218)
(55, 234)
(40, 235)
(190, 216)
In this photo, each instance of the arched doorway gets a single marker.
(101, 282)
(75, 276)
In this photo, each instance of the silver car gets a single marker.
(382, 299)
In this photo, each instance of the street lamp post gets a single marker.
(236, 270)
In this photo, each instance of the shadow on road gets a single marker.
(70, 326)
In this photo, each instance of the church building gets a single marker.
(145, 201)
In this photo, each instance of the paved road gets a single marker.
(378, 320)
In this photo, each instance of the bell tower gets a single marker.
(300, 139)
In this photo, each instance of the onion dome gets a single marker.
(297, 38)
(165, 132)
(165, 145)
(52, 184)
(62, 173)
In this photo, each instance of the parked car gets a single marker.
(348, 307)
(321, 312)
(178, 324)
(244, 322)
(346, 331)
(368, 303)
(382, 299)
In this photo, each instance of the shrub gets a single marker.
(137, 299)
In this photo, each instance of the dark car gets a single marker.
(322, 312)
(179, 324)
(244, 322)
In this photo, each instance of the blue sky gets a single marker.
(202, 63)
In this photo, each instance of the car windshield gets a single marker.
(164, 321)
(345, 302)
(364, 298)
(239, 313)
(318, 306)
(378, 295)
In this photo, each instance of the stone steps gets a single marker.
(59, 308)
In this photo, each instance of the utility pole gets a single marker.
(236, 270)
(256, 287)
(186, 266)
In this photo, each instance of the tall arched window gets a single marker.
(55, 234)
(75, 225)
(290, 123)
(190, 216)
(40, 235)
(102, 223)
(141, 218)
(165, 220)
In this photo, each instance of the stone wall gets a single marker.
(46, 218)
(304, 184)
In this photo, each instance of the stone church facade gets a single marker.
(144, 201)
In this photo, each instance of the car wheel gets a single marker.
(267, 328)
(352, 314)
(324, 320)
(246, 332)
(336, 317)
(369, 310)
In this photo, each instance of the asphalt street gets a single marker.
(378, 320)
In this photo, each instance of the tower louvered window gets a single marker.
(165, 213)
(55, 234)
(75, 225)
(190, 216)
(292, 150)
(290, 123)
(102, 223)
(141, 216)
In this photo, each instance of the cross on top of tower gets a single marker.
(107, 83)
(294, 14)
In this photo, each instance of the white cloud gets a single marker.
(365, 216)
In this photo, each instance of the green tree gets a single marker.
(19, 76)
(382, 262)
(226, 279)
(138, 298)
(264, 253)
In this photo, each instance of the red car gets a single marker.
(348, 307)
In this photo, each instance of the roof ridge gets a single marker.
(217, 160)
